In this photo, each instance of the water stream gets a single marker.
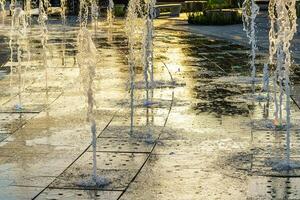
(250, 11)
(87, 61)
(283, 28)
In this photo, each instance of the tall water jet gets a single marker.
(3, 11)
(266, 79)
(139, 26)
(86, 57)
(42, 20)
(27, 8)
(276, 56)
(147, 49)
(63, 19)
(250, 11)
(19, 32)
(95, 14)
(86, 61)
(283, 28)
(110, 13)
(132, 25)
(148, 38)
(63, 12)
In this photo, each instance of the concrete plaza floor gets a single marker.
(201, 138)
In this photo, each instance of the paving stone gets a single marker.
(71, 194)
(15, 192)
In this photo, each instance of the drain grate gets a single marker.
(273, 188)
(126, 145)
(269, 150)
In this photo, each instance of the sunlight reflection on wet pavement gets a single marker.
(201, 144)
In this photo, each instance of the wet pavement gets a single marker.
(203, 137)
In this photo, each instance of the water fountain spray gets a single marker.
(110, 14)
(63, 19)
(2, 6)
(27, 8)
(19, 33)
(42, 20)
(133, 34)
(95, 14)
(275, 49)
(12, 6)
(63, 12)
(148, 38)
(139, 26)
(266, 79)
(147, 49)
(86, 61)
(250, 11)
(147, 45)
(283, 28)
(86, 57)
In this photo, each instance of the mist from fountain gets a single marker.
(250, 11)
(283, 28)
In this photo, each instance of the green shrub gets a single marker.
(119, 10)
(215, 17)
(221, 4)
(217, 4)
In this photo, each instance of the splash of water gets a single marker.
(250, 11)
(283, 28)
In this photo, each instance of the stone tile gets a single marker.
(71, 194)
(14, 192)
